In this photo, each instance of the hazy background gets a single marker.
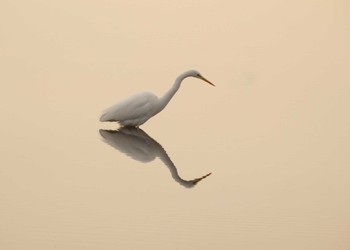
(275, 131)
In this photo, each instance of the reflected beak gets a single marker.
(201, 77)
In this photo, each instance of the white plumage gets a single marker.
(137, 109)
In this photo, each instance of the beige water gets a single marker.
(274, 132)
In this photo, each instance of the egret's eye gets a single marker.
(198, 75)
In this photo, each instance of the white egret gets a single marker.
(137, 109)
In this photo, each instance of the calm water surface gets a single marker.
(261, 161)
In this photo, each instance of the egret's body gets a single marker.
(137, 109)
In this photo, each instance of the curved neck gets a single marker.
(164, 100)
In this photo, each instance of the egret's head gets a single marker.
(196, 74)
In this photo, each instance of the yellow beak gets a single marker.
(201, 77)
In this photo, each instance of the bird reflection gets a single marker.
(137, 144)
